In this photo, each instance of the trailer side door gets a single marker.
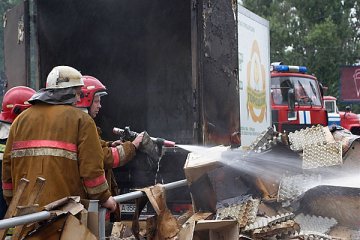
(16, 43)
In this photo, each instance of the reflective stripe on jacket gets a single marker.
(117, 156)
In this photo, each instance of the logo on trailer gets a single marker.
(356, 81)
(256, 86)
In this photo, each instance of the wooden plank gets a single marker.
(25, 210)
(34, 196)
(13, 204)
(35, 193)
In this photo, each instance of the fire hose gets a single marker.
(127, 135)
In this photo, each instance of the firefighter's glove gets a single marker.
(116, 143)
(150, 148)
(138, 139)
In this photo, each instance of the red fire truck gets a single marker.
(347, 119)
(296, 98)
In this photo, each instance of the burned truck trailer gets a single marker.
(170, 68)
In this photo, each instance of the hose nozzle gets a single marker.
(129, 135)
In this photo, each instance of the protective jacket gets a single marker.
(59, 143)
(115, 157)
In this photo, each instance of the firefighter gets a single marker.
(55, 140)
(14, 102)
(116, 154)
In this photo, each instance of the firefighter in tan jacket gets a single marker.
(116, 154)
(56, 141)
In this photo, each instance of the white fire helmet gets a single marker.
(64, 77)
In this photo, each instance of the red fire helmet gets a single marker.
(92, 87)
(15, 101)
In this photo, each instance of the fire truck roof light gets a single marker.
(287, 68)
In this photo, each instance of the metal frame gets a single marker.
(43, 215)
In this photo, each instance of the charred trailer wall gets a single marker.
(170, 68)
(218, 70)
(141, 50)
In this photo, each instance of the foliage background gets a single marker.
(320, 34)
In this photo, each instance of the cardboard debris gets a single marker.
(326, 155)
(50, 230)
(121, 230)
(315, 135)
(164, 224)
(199, 163)
(67, 204)
(73, 229)
(210, 230)
(311, 223)
(330, 201)
(345, 233)
(203, 195)
(187, 229)
(62, 227)
(282, 230)
(244, 211)
(183, 218)
(346, 138)
(196, 167)
(74, 205)
(220, 179)
(123, 227)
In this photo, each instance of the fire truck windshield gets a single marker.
(306, 90)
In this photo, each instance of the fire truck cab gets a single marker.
(296, 98)
(345, 119)
(332, 110)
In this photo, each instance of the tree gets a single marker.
(320, 34)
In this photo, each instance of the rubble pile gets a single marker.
(285, 186)
(282, 187)
(283, 201)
